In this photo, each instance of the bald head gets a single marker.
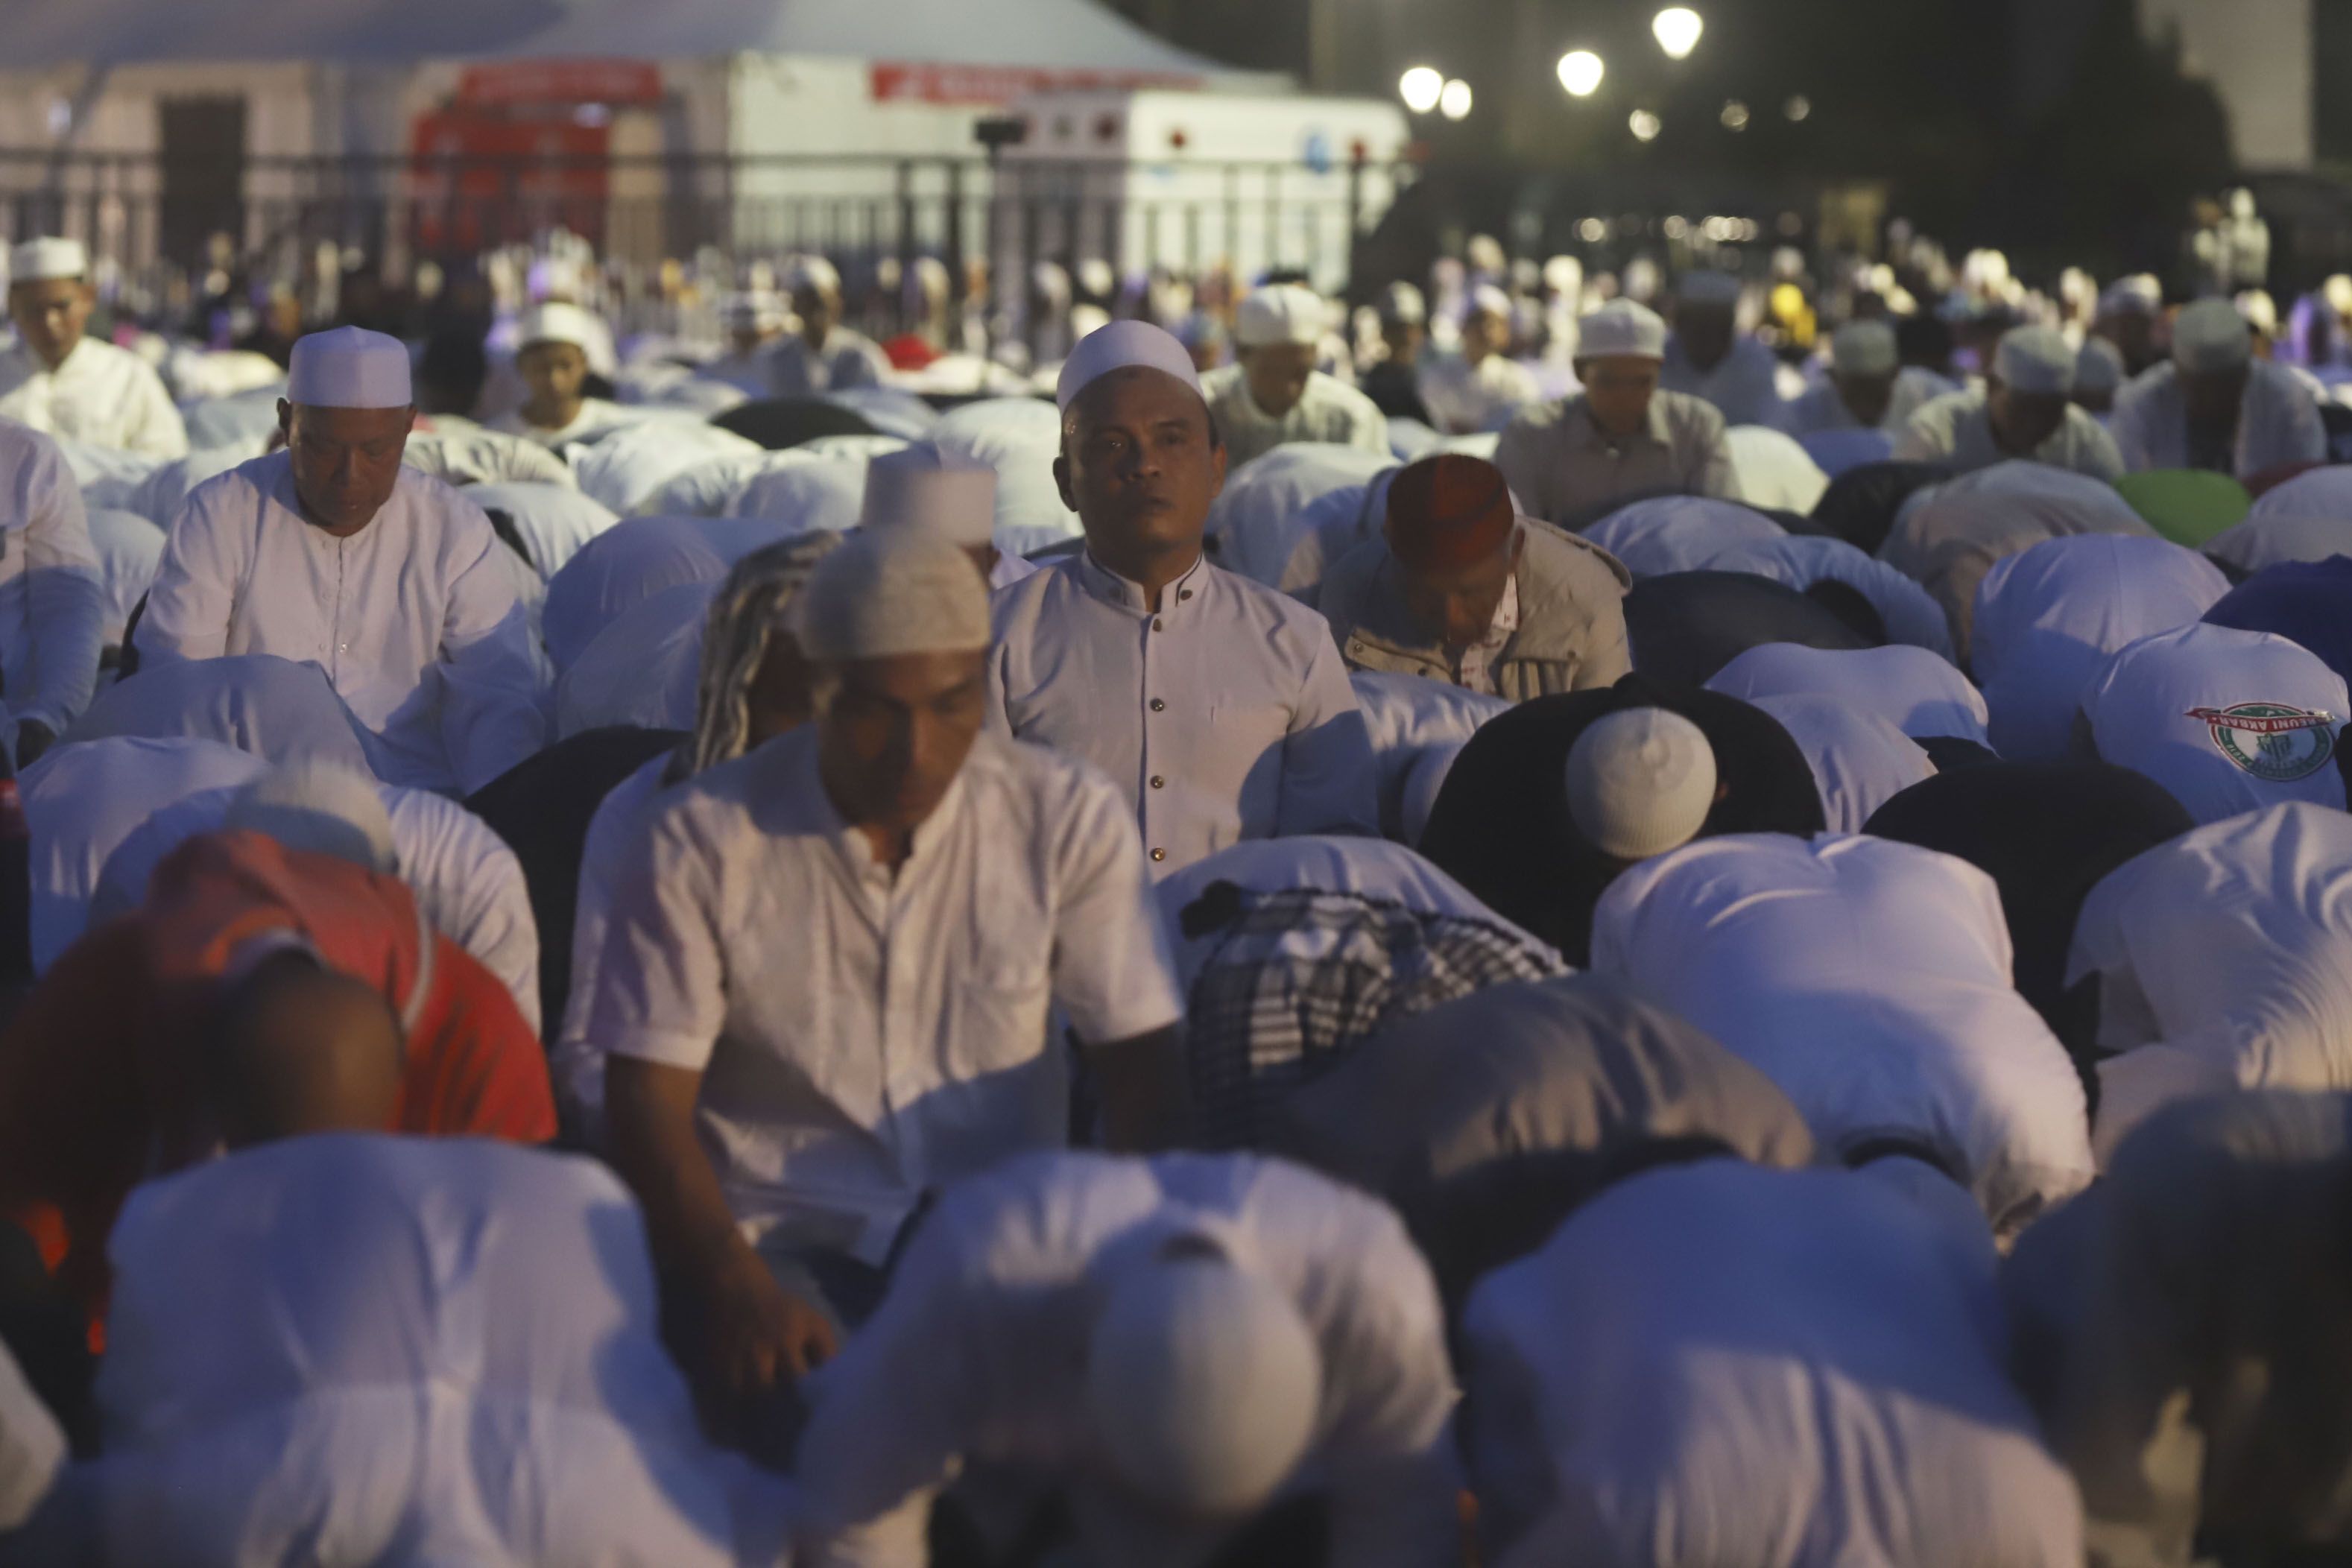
(306, 1050)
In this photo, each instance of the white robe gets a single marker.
(1327, 411)
(102, 394)
(413, 619)
(595, 417)
(49, 597)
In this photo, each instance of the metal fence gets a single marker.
(161, 234)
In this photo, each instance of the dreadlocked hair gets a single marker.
(751, 607)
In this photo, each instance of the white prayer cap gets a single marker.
(320, 806)
(1402, 305)
(1280, 313)
(1621, 328)
(348, 367)
(892, 591)
(2136, 295)
(1708, 287)
(1120, 346)
(46, 260)
(2209, 337)
(811, 272)
(556, 323)
(1865, 348)
(1489, 300)
(2034, 361)
(921, 490)
(1203, 1381)
(2099, 367)
(1641, 782)
(754, 308)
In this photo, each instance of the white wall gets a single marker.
(2257, 54)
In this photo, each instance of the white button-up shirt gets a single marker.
(413, 618)
(865, 1036)
(1330, 410)
(595, 416)
(2278, 423)
(977, 1355)
(1226, 715)
(102, 395)
(50, 609)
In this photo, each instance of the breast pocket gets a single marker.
(1006, 994)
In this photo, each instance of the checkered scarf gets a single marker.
(1300, 976)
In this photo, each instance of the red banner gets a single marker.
(903, 82)
(561, 81)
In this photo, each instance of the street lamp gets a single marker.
(1580, 71)
(1420, 88)
(1679, 28)
(1454, 99)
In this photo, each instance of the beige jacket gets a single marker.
(1572, 631)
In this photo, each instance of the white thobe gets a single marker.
(1465, 398)
(1956, 431)
(49, 598)
(403, 1350)
(848, 359)
(413, 619)
(863, 1035)
(1921, 695)
(977, 1357)
(2047, 620)
(2278, 422)
(595, 416)
(1783, 1368)
(102, 395)
(1328, 411)
(1870, 981)
(1226, 715)
(1744, 385)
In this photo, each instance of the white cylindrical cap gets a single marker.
(2209, 337)
(922, 491)
(1641, 782)
(348, 367)
(2035, 361)
(47, 260)
(556, 323)
(1280, 313)
(1120, 346)
(1865, 348)
(892, 591)
(1622, 329)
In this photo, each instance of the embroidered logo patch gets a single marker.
(2276, 744)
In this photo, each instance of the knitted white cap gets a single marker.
(893, 590)
(2034, 361)
(922, 491)
(1203, 1381)
(2099, 367)
(1708, 287)
(556, 323)
(320, 806)
(46, 260)
(2209, 337)
(1865, 348)
(1280, 313)
(1639, 782)
(348, 367)
(1621, 328)
(1120, 346)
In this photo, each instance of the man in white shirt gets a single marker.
(2215, 405)
(1862, 390)
(1219, 709)
(1481, 386)
(834, 958)
(1170, 1343)
(1275, 393)
(824, 355)
(333, 552)
(1709, 357)
(63, 384)
(752, 321)
(2024, 412)
(552, 356)
(51, 602)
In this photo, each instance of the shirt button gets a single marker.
(1157, 782)
(1159, 854)
(1182, 594)
(1157, 706)
(1155, 623)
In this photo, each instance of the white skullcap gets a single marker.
(920, 489)
(1489, 300)
(2136, 295)
(756, 307)
(1865, 348)
(1279, 313)
(1708, 287)
(2209, 337)
(891, 591)
(46, 260)
(320, 806)
(555, 322)
(1639, 782)
(2034, 361)
(348, 367)
(1118, 346)
(2099, 367)
(1203, 1382)
(1621, 328)
(1402, 303)
(811, 272)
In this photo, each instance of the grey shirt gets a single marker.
(1328, 411)
(1562, 468)
(1956, 431)
(2278, 423)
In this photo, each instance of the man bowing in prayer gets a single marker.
(2216, 406)
(63, 384)
(830, 964)
(1459, 589)
(330, 553)
(2022, 412)
(1274, 394)
(1219, 708)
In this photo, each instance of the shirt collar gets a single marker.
(857, 850)
(1107, 586)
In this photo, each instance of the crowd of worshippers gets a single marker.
(1175, 974)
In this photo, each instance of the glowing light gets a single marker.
(1735, 115)
(1420, 88)
(1797, 107)
(1454, 99)
(1677, 28)
(1644, 125)
(1580, 71)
